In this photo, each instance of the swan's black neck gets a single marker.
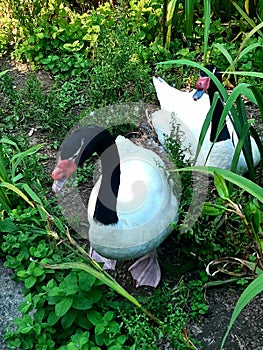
(79, 146)
(224, 133)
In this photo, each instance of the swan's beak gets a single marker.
(58, 184)
(202, 85)
(198, 94)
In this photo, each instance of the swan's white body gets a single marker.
(178, 108)
(146, 206)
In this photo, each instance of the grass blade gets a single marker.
(246, 17)
(207, 14)
(248, 49)
(19, 157)
(17, 191)
(3, 172)
(238, 180)
(252, 290)
(227, 55)
(169, 21)
(189, 17)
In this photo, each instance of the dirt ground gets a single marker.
(247, 333)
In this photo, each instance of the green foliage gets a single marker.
(107, 56)
(108, 83)
(8, 28)
(174, 307)
(59, 303)
(252, 215)
(12, 160)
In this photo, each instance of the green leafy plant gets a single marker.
(252, 215)
(10, 179)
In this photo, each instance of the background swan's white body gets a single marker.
(146, 206)
(184, 109)
(178, 108)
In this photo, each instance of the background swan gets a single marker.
(183, 109)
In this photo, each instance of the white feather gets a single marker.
(146, 206)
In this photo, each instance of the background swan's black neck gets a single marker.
(224, 133)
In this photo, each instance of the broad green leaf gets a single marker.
(63, 306)
(82, 303)
(108, 316)
(94, 317)
(68, 319)
(30, 282)
(211, 209)
(52, 319)
(7, 225)
(86, 281)
(104, 277)
(99, 329)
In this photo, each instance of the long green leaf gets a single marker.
(259, 98)
(19, 157)
(169, 19)
(3, 172)
(252, 290)
(5, 201)
(238, 180)
(205, 127)
(17, 191)
(189, 17)
(207, 14)
(246, 17)
(248, 74)
(36, 199)
(4, 139)
(249, 35)
(227, 55)
(181, 62)
(248, 49)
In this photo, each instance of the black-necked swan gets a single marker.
(131, 206)
(223, 149)
(185, 110)
(181, 107)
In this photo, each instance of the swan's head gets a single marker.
(205, 83)
(62, 172)
(74, 150)
(77, 147)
